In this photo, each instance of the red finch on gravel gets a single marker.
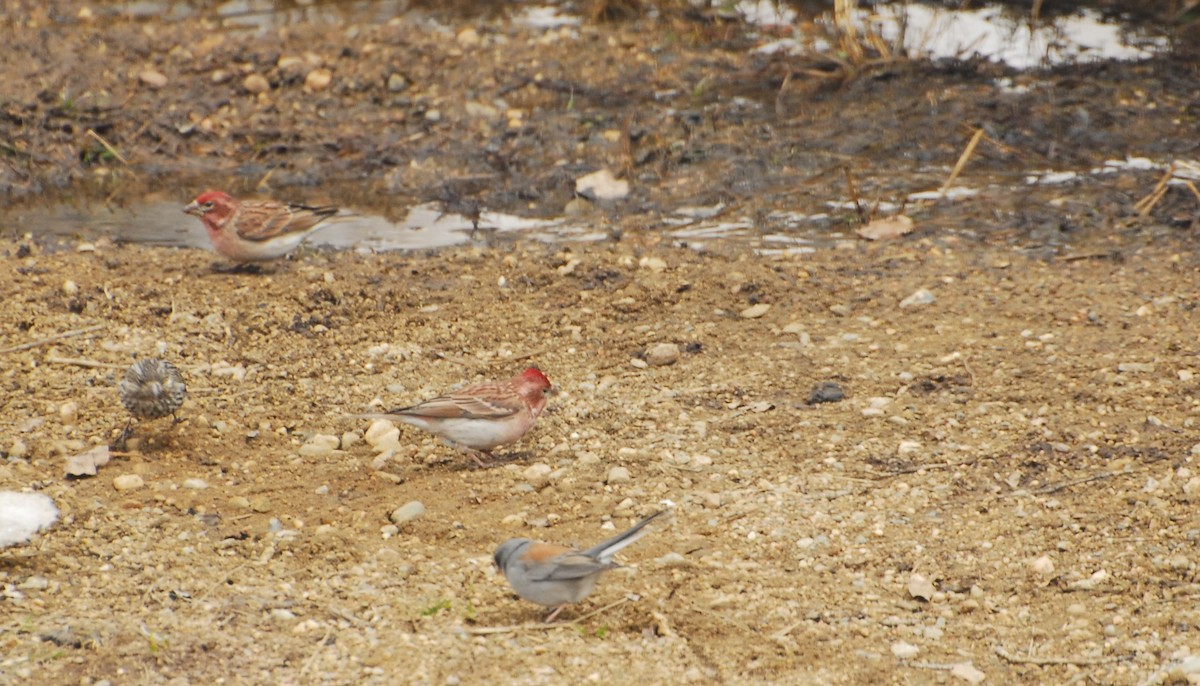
(152, 388)
(556, 576)
(481, 417)
(255, 230)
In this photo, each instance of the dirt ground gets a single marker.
(1006, 493)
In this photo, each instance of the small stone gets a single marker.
(407, 512)
(195, 484)
(967, 672)
(905, 650)
(1191, 489)
(318, 79)
(537, 474)
(468, 37)
(662, 355)
(260, 503)
(917, 299)
(70, 287)
(18, 449)
(322, 489)
(639, 364)
(319, 445)
(281, 614)
(1186, 374)
(383, 436)
(711, 501)
(654, 264)
(128, 482)
(433, 116)
(152, 78)
(618, 475)
(396, 83)
(1043, 565)
(602, 185)
(673, 559)
(577, 207)
(86, 246)
(1135, 367)
(920, 588)
(68, 412)
(349, 440)
(826, 392)
(256, 83)
(755, 311)
(221, 76)
(35, 583)
(908, 447)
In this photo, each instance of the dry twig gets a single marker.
(1045, 661)
(51, 339)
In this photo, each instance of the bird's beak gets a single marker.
(193, 208)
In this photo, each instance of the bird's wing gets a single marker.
(547, 562)
(261, 221)
(487, 401)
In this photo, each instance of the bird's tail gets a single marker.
(605, 551)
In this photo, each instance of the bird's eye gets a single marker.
(207, 206)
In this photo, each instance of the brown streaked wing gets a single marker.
(489, 401)
(260, 221)
(543, 552)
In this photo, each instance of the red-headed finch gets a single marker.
(482, 417)
(556, 576)
(255, 230)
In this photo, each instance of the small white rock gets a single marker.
(908, 447)
(68, 412)
(349, 440)
(618, 475)
(319, 445)
(70, 287)
(407, 512)
(1043, 565)
(967, 672)
(128, 482)
(537, 473)
(920, 588)
(195, 484)
(755, 311)
(904, 650)
(918, 298)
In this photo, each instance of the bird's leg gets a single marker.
(175, 419)
(475, 455)
(119, 444)
(550, 617)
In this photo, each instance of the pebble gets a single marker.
(349, 440)
(35, 583)
(1186, 374)
(755, 311)
(195, 484)
(1191, 489)
(904, 650)
(711, 501)
(640, 364)
(673, 559)
(920, 588)
(537, 474)
(319, 445)
(68, 412)
(662, 354)
(1135, 367)
(256, 83)
(383, 436)
(128, 482)
(282, 614)
(318, 79)
(18, 449)
(407, 512)
(1043, 565)
(260, 503)
(396, 83)
(322, 490)
(908, 447)
(70, 287)
(618, 475)
(826, 392)
(152, 78)
(967, 672)
(654, 264)
(468, 37)
(602, 185)
(918, 298)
